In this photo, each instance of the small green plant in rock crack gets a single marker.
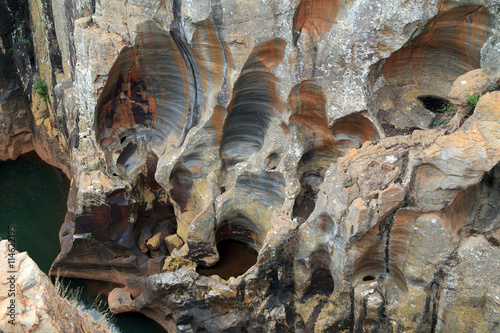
(25, 41)
(41, 87)
(94, 167)
(473, 99)
(447, 112)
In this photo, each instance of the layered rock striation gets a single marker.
(273, 166)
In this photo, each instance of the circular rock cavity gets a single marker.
(181, 179)
(446, 47)
(237, 245)
(352, 131)
(321, 280)
(235, 259)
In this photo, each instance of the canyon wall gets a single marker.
(351, 146)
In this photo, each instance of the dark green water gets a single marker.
(33, 198)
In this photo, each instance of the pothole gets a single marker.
(235, 259)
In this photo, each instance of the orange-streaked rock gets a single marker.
(315, 16)
(352, 131)
(447, 47)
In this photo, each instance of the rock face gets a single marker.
(37, 306)
(316, 135)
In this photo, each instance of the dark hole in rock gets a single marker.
(321, 283)
(155, 215)
(181, 179)
(391, 130)
(272, 161)
(123, 139)
(306, 200)
(369, 278)
(235, 259)
(433, 103)
(114, 174)
(222, 189)
(128, 156)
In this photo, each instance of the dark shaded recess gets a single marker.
(239, 228)
(235, 259)
(278, 274)
(312, 167)
(127, 153)
(391, 130)
(433, 103)
(6, 20)
(272, 161)
(321, 280)
(236, 243)
(306, 199)
(253, 103)
(11, 92)
(352, 131)
(15, 15)
(485, 214)
(161, 214)
(181, 180)
(54, 51)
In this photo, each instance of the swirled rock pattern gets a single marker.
(274, 166)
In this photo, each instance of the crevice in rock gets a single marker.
(305, 202)
(321, 281)
(433, 103)
(181, 179)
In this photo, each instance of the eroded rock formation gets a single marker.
(37, 305)
(273, 166)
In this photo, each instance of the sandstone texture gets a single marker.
(352, 147)
(38, 307)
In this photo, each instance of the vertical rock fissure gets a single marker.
(196, 92)
(385, 229)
